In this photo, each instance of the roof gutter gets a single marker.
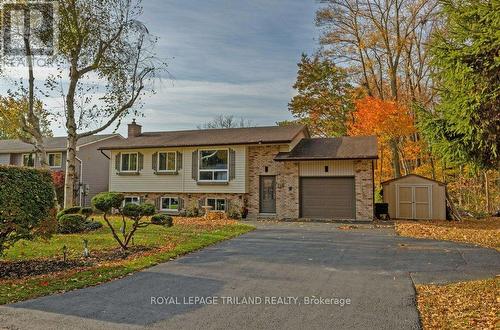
(192, 145)
(295, 159)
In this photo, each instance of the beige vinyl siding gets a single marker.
(335, 168)
(148, 181)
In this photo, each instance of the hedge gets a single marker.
(26, 199)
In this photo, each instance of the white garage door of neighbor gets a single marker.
(414, 201)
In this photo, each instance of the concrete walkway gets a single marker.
(373, 268)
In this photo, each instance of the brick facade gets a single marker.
(364, 189)
(287, 182)
(194, 199)
(261, 163)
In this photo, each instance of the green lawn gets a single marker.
(186, 238)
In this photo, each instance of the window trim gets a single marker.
(136, 162)
(213, 171)
(54, 153)
(216, 199)
(132, 197)
(29, 154)
(169, 210)
(158, 162)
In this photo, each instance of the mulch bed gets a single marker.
(28, 268)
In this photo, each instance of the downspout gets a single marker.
(80, 180)
(373, 189)
(102, 152)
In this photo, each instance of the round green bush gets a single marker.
(148, 209)
(69, 210)
(132, 210)
(91, 225)
(71, 223)
(106, 201)
(162, 219)
(86, 212)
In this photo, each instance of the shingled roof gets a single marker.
(346, 147)
(210, 137)
(57, 143)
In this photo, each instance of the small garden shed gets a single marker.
(415, 197)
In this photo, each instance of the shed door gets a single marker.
(327, 198)
(414, 202)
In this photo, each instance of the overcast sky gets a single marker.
(235, 57)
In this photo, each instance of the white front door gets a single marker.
(414, 202)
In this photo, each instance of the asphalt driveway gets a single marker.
(279, 276)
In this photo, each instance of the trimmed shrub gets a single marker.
(192, 210)
(148, 209)
(106, 201)
(91, 225)
(162, 219)
(132, 210)
(26, 200)
(69, 210)
(86, 212)
(71, 223)
(138, 210)
(235, 213)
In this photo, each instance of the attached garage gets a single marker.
(335, 178)
(327, 198)
(415, 197)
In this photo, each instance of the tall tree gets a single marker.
(108, 56)
(465, 125)
(381, 41)
(324, 96)
(21, 109)
(387, 120)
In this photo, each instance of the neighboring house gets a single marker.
(273, 172)
(92, 164)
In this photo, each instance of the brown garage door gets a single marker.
(327, 198)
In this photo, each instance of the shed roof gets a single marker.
(416, 175)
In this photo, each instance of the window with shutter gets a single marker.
(232, 164)
(117, 161)
(194, 165)
(154, 161)
(179, 161)
(128, 162)
(140, 161)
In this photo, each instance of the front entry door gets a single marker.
(267, 194)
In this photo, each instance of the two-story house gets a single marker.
(92, 164)
(273, 172)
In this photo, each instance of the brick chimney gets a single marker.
(134, 129)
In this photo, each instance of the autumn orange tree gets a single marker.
(389, 122)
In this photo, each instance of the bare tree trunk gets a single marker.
(70, 178)
(487, 192)
(31, 124)
(433, 167)
(396, 167)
